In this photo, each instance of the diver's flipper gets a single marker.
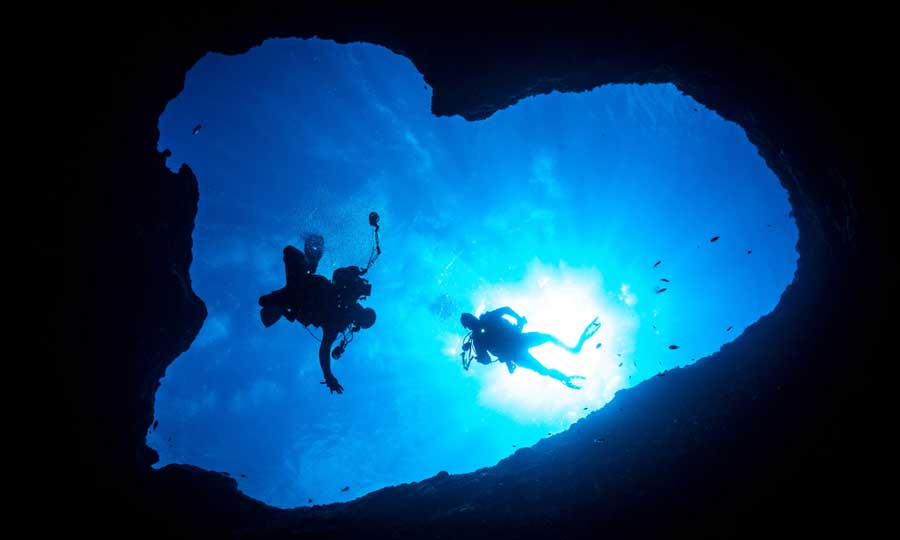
(270, 315)
(591, 329)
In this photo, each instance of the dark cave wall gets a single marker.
(767, 432)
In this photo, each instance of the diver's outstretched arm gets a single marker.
(328, 337)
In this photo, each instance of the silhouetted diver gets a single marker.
(312, 299)
(491, 334)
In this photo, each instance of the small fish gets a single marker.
(514, 446)
(714, 238)
(345, 488)
(620, 364)
(584, 409)
(656, 264)
(600, 440)
(749, 251)
(729, 328)
(673, 347)
(619, 355)
(309, 501)
(661, 290)
(662, 374)
(664, 279)
(597, 346)
(243, 475)
(196, 129)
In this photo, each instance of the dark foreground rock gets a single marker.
(770, 436)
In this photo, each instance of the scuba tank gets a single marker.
(350, 285)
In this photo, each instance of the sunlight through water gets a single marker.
(630, 203)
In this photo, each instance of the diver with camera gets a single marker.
(313, 300)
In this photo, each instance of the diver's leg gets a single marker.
(272, 307)
(529, 362)
(285, 302)
(533, 339)
(295, 266)
(589, 331)
(278, 297)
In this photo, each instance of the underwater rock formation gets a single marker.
(766, 435)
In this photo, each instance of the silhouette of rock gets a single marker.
(128, 235)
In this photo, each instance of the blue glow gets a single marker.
(558, 206)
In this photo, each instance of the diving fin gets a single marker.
(591, 329)
(270, 315)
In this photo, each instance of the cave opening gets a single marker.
(631, 203)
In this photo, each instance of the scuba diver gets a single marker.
(492, 334)
(312, 299)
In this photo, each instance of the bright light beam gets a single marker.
(560, 301)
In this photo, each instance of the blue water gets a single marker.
(558, 206)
